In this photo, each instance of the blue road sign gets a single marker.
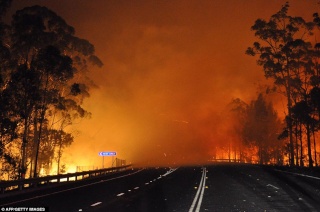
(107, 153)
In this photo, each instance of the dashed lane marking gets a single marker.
(269, 185)
(169, 172)
(70, 189)
(119, 195)
(95, 204)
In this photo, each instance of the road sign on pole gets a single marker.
(107, 153)
(103, 154)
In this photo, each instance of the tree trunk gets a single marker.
(315, 147)
(35, 173)
(35, 141)
(59, 155)
(296, 143)
(289, 121)
(309, 146)
(301, 146)
(23, 168)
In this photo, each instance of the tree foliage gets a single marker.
(258, 125)
(288, 57)
(261, 129)
(44, 68)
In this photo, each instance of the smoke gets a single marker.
(171, 67)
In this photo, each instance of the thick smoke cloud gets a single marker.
(171, 67)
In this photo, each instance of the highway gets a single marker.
(219, 187)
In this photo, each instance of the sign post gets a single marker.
(103, 154)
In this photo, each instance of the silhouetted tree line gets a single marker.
(288, 56)
(43, 81)
(257, 125)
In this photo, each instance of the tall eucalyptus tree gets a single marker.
(283, 40)
(48, 54)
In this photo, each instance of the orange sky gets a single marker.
(170, 69)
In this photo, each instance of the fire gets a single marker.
(186, 67)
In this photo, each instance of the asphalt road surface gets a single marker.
(220, 187)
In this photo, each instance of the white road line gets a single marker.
(169, 172)
(273, 186)
(95, 204)
(303, 175)
(196, 197)
(200, 190)
(119, 195)
(136, 188)
(70, 189)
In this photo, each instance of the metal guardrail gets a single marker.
(34, 182)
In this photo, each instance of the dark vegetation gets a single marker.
(43, 81)
(288, 56)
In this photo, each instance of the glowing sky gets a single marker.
(170, 68)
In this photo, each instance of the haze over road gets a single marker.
(219, 187)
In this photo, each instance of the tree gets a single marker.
(4, 48)
(239, 109)
(302, 112)
(55, 69)
(279, 55)
(22, 95)
(261, 129)
(48, 69)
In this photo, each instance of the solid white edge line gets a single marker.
(303, 175)
(197, 194)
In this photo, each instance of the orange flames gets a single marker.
(171, 67)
